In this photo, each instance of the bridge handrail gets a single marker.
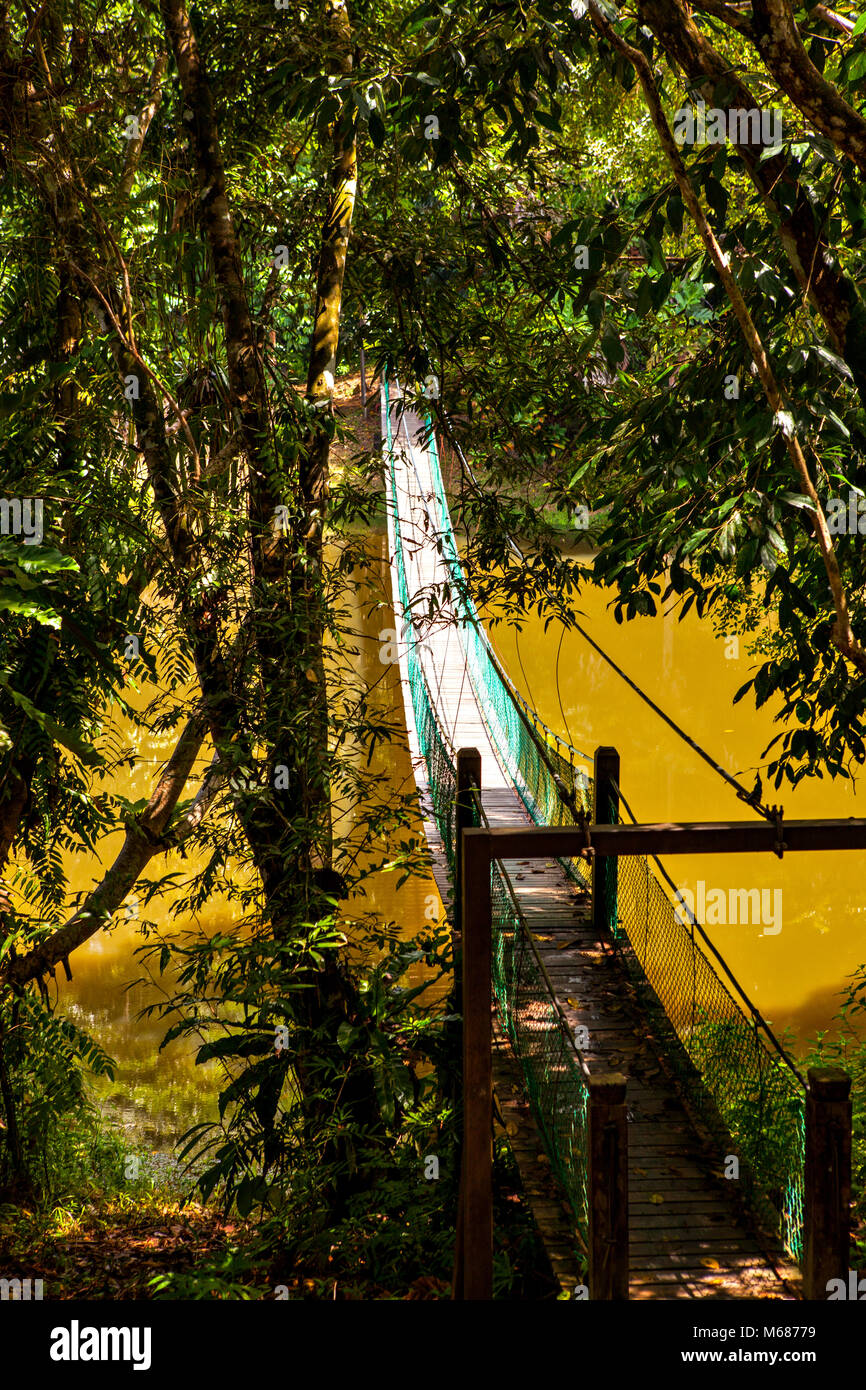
(444, 531)
(479, 654)
(551, 1062)
(737, 1070)
(482, 819)
(567, 751)
(548, 799)
(553, 1066)
(752, 1009)
(434, 744)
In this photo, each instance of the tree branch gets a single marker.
(778, 41)
(135, 144)
(843, 635)
(736, 16)
(243, 360)
(143, 840)
(828, 289)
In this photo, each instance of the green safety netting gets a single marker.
(742, 1085)
(744, 1089)
(542, 1041)
(434, 746)
(538, 1032)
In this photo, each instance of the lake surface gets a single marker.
(793, 974)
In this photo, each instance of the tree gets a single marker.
(243, 602)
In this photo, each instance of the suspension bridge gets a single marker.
(593, 970)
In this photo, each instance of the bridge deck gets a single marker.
(688, 1238)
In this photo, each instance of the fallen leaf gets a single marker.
(709, 1263)
(656, 1199)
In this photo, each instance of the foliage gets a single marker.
(235, 996)
(154, 355)
(50, 1122)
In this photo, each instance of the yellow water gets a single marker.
(794, 975)
(158, 1093)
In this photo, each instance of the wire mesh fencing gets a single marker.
(439, 759)
(729, 1065)
(539, 1034)
(549, 775)
(742, 1084)
(555, 1074)
(745, 1089)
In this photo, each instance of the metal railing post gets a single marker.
(608, 1188)
(827, 1227)
(468, 780)
(474, 1261)
(605, 868)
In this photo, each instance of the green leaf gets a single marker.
(612, 347)
(235, 1045)
(377, 129)
(13, 601)
(644, 296)
(857, 67)
(35, 558)
(661, 290)
(841, 427)
(548, 119)
(347, 1036)
(796, 499)
(65, 737)
(717, 197)
(834, 360)
(694, 541)
(250, 1191)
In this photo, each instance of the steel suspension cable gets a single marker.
(439, 671)
(519, 704)
(749, 797)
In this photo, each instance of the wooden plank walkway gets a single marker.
(688, 1236)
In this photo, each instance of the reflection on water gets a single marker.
(793, 974)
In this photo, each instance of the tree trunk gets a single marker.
(828, 289)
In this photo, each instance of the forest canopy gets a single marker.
(620, 253)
